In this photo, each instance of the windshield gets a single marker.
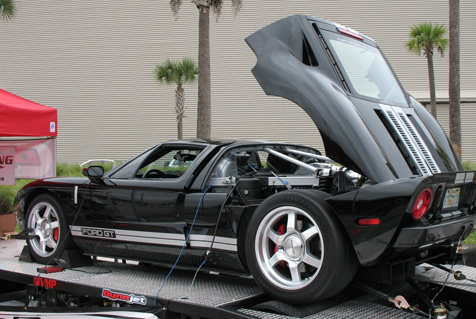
(366, 69)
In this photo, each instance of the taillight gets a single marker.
(350, 34)
(422, 203)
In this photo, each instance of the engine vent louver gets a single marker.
(425, 152)
(408, 140)
(398, 141)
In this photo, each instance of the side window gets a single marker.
(260, 161)
(239, 163)
(167, 163)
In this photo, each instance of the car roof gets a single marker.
(229, 142)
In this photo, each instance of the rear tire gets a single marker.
(45, 218)
(296, 248)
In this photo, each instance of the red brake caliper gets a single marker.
(56, 234)
(280, 231)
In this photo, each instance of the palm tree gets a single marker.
(454, 78)
(7, 9)
(425, 37)
(179, 73)
(204, 113)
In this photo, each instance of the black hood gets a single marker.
(382, 136)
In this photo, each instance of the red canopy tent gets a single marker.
(21, 117)
(28, 133)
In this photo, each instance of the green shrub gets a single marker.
(68, 170)
(471, 240)
(8, 192)
(7, 195)
(75, 170)
(469, 166)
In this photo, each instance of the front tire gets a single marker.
(51, 235)
(296, 249)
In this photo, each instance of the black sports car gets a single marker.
(390, 190)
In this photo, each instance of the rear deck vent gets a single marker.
(419, 143)
(408, 140)
(398, 141)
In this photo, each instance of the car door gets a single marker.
(143, 201)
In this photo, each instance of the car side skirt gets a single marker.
(157, 238)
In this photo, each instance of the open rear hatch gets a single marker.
(367, 121)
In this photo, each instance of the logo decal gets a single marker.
(7, 165)
(129, 298)
(6, 160)
(96, 232)
(44, 282)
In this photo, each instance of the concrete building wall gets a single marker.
(94, 62)
(468, 126)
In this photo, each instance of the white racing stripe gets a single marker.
(222, 243)
(168, 239)
(224, 240)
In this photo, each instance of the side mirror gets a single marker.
(95, 173)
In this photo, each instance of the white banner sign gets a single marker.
(33, 158)
(7, 165)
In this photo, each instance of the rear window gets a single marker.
(366, 69)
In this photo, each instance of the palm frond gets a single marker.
(236, 4)
(7, 9)
(177, 73)
(216, 5)
(175, 6)
(425, 37)
(189, 70)
(164, 72)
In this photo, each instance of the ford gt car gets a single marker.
(390, 189)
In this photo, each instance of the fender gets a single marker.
(387, 201)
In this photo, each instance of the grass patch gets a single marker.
(471, 240)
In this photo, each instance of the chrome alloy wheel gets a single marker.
(43, 219)
(289, 248)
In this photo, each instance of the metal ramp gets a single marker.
(209, 291)
(211, 296)
(438, 276)
(348, 310)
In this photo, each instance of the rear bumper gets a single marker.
(422, 237)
